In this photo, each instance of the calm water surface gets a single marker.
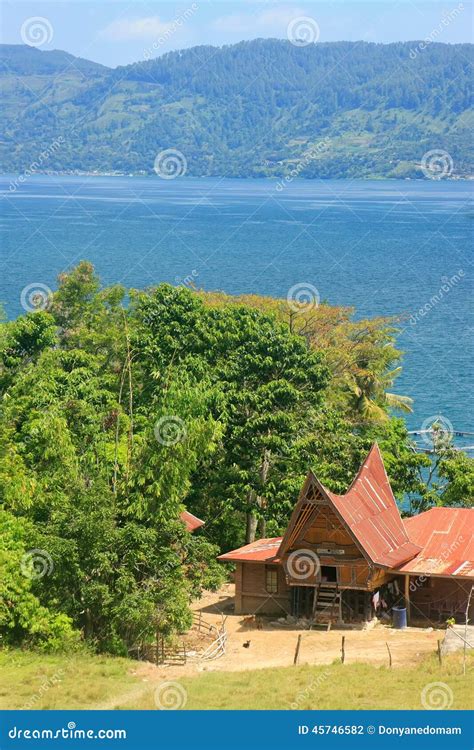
(385, 248)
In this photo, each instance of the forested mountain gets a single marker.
(264, 107)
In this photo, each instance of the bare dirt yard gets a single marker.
(273, 646)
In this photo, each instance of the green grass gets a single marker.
(47, 682)
(37, 681)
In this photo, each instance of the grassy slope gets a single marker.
(93, 682)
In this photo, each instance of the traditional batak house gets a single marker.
(347, 558)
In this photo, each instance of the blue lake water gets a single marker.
(385, 248)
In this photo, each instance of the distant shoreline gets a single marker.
(451, 178)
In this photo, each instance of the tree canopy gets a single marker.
(118, 411)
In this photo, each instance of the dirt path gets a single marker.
(275, 646)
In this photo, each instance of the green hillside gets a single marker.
(257, 108)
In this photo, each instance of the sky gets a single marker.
(117, 33)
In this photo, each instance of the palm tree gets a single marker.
(368, 397)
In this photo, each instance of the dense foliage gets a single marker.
(258, 108)
(117, 412)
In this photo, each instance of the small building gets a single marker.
(347, 558)
(191, 522)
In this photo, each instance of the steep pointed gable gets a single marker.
(312, 497)
(370, 511)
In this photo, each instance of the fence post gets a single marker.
(343, 650)
(389, 655)
(297, 650)
(440, 659)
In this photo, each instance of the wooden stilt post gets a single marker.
(465, 630)
(297, 650)
(407, 598)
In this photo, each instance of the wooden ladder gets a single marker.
(326, 600)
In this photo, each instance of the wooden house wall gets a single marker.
(437, 599)
(251, 595)
(326, 531)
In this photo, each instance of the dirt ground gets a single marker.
(275, 646)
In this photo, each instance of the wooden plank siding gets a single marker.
(326, 533)
(437, 599)
(251, 596)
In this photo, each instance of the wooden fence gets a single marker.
(177, 653)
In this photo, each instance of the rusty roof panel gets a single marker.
(263, 550)
(192, 522)
(370, 511)
(445, 536)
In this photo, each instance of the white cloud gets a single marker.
(273, 20)
(137, 28)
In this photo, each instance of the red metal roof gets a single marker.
(446, 538)
(192, 522)
(370, 511)
(263, 550)
(439, 541)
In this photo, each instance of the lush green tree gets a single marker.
(446, 476)
(266, 382)
(22, 617)
(114, 417)
(99, 488)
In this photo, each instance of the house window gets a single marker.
(271, 580)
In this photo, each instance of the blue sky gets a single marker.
(117, 33)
